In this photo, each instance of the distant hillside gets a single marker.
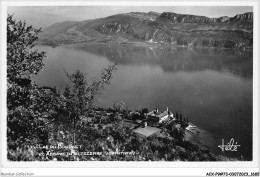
(156, 28)
(60, 27)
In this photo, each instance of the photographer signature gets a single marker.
(230, 145)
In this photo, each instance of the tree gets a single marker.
(22, 61)
(80, 96)
(29, 108)
(145, 111)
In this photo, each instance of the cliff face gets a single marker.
(181, 18)
(152, 27)
(246, 16)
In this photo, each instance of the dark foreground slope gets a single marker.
(155, 28)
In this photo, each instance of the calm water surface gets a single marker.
(213, 87)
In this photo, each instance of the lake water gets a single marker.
(213, 87)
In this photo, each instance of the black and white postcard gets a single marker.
(130, 84)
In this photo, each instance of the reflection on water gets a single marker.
(213, 87)
(172, 59)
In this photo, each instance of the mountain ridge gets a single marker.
(156, 29)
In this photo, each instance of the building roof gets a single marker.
(147, 131)
(151, 113)
(159, 114)
(165, 113)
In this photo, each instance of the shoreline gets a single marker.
(141, 44)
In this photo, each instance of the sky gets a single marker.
(43, 16)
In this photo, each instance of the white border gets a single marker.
(154, 165)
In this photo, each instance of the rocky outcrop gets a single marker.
(180, 18)
(183, 18)
(243, 17)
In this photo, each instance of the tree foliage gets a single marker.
(22, 61)
(23, 121)
(81, 94)
(34, 111)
